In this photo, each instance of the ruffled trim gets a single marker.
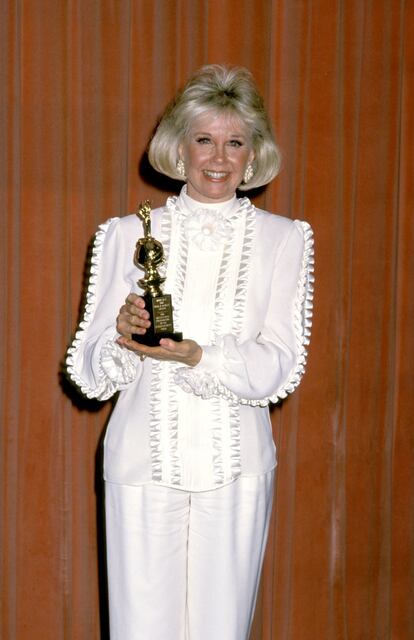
(117, 367)
(201, 381)
(168, 368)
(240, 298)
(206, 383)
(302, 318)
(155, 421)
(117, 364)
(180, 272)
(162, 378)
(235, 459)
(191, 381)
(217, 434)
(175, 465)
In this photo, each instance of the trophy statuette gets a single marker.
(149, 254)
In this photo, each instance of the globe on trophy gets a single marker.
(149, 255)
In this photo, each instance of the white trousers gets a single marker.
(185, 566)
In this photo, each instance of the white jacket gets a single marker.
(241, 282)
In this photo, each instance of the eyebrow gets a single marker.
(207, 133)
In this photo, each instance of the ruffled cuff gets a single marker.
(117, 364)
(197, 381)
(200, 379)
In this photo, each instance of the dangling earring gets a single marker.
(180, 168)
(248, 174)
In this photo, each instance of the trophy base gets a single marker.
(161, 317)
(153, 339)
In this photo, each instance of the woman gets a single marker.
(189, 456)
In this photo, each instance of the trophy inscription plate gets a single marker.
(149, 255)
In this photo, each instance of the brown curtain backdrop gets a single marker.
(82, 84)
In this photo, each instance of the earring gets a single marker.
(248, 174)
(180, 168)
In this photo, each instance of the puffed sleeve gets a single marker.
(270, 365)
(94, 361)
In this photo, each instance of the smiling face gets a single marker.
(215, 152)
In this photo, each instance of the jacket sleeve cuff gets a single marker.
(118, 364)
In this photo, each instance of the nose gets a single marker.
(219, 152)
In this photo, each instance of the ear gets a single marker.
(180, 151)
(252, 156)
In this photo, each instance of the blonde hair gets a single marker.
(216, 89)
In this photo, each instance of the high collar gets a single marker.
(188, 204)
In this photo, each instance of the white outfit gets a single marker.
(241, 284)
(244, 293)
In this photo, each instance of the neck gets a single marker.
(197, 204)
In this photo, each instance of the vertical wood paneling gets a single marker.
(84, 83)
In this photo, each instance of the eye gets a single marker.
(203, 140)
(235, 143)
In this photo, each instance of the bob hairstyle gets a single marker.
(217, 89)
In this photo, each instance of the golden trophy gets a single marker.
(149, 254)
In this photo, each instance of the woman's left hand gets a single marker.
(187, 352)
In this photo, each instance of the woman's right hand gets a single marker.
(133, 318)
